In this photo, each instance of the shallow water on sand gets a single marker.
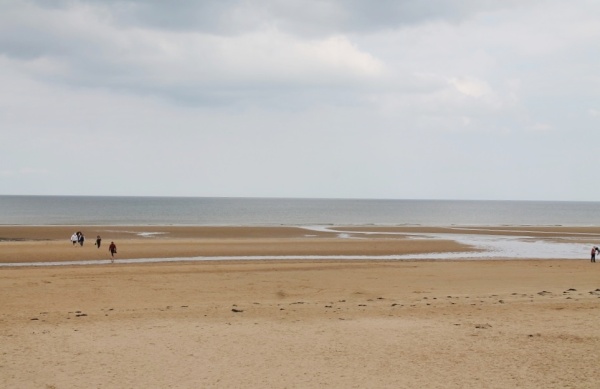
(489, 247)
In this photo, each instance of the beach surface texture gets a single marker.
(291, 307)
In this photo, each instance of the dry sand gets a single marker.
(301, 324)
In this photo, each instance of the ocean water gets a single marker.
(92, 210)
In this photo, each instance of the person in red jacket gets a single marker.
(113, 250)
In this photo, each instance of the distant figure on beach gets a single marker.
(74, 238)
(113, 250)
(595, 250)
(98, 241)
(81, 238)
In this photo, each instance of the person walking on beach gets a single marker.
(113, 250)
(81, 238)
(74, 238)
(98, 241)
(595, 250)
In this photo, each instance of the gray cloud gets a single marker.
(419, 99)
(83, 46)
(300, 16)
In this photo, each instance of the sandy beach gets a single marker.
(293, 324)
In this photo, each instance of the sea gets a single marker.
(323, 214)
(220, 211)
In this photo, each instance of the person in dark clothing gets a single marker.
(98, 241)
(595, 250)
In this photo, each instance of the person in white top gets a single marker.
(74, 238)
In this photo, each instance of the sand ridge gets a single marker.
(51, 244)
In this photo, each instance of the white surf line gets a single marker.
(150, 234)
(340, 234)
(143, 234)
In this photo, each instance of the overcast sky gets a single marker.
(401, 99)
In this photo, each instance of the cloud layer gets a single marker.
(431, 99)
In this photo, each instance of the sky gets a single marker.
(387, 99)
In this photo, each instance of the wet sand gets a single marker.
(52, 244)
(295, 324)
